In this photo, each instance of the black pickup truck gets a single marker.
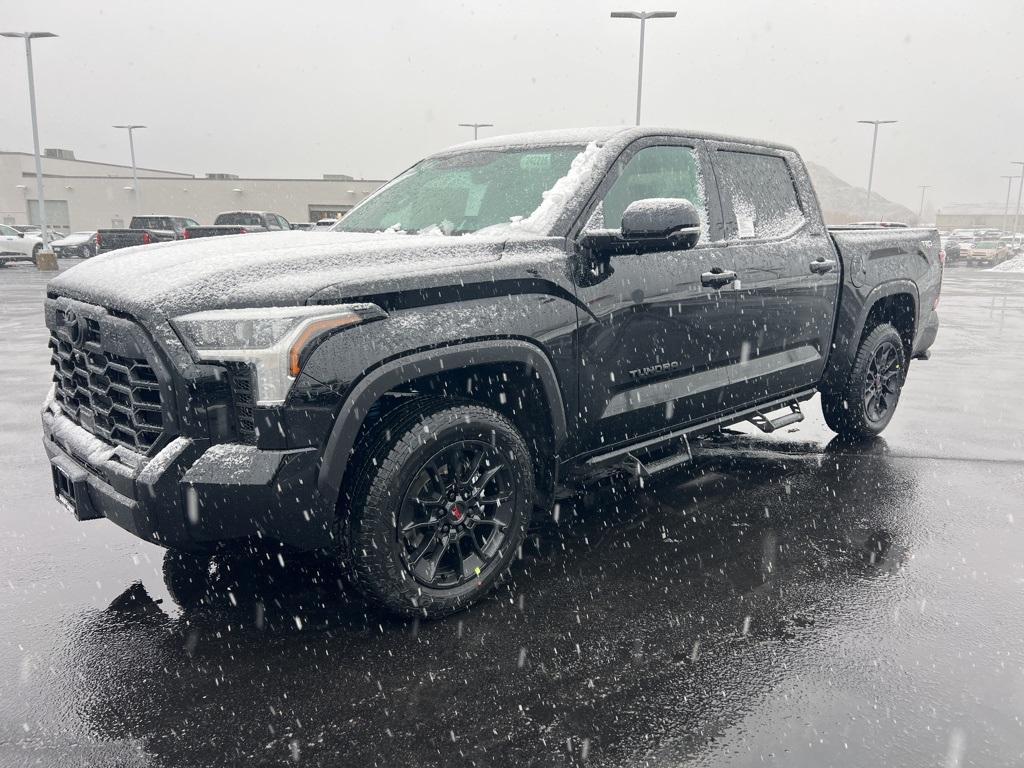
(143, 230)
(240, 223)
(504, 321)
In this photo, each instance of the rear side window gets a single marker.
(759, 191)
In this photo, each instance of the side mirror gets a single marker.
(20, 233)
(648, 226)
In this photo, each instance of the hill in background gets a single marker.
(843, 203)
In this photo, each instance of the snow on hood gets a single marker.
(267, 269)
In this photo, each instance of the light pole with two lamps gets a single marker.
(28, 37)
(642, 16)
(135, 174)
(871, 168)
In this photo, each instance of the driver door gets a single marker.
(655, 342)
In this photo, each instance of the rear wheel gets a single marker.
(440, 506)
(865, 403)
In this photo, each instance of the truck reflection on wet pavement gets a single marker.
(785, 601)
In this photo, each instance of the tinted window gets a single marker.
(151, 222)
(655, 172)
(759, 191)
(7, 231)
(240, 219)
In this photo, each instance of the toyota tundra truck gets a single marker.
(501, 323)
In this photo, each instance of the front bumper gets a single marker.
(190, 495)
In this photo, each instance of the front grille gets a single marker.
(116, 398)
(243, 396)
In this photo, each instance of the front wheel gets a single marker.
(440, 507)
(35, 254)
(864, 404)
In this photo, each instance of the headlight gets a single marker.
(271, 339)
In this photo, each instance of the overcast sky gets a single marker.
(304, 88)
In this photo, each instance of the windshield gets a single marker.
(463, 193)
(240, 219)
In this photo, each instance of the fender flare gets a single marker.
(393, 373)
(837, 370)
(889, 288)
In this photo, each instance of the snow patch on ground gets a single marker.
(1016, 264)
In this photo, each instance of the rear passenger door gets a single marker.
(788, 271)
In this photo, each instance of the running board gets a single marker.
(636, 467)
(767, 425)
(626, 459)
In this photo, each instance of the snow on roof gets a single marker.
(600, 135)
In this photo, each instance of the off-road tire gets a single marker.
(844, 405)
(393, 453)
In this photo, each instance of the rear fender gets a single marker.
(854, 310)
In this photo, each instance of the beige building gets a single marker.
(82, 195)
(975, 216)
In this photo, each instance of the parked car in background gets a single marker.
(143, 230)
(324, 224)
(77, 245)
(17, 246)
(952, 250)
(988, 252)
(302, 225)
(1012, 243)
(240, 223)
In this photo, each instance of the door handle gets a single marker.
(821, 266)
(717, 277)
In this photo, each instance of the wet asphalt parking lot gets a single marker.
(786, 601)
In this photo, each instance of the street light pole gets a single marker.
(476, 127)
(41, 200)
(1019, 190)
(642, 16)
(871, 168)
(1006, 208)
(135, 173)
(920, 210)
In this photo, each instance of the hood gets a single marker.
(159, 281)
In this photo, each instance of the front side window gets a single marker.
(7, 231)
(463, 193)
(759, 190)
(654, 172)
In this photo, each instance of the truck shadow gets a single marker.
(622, 626)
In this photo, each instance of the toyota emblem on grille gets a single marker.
(74, 327)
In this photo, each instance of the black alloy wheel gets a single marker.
(438, 506)
(863, 404)
(882, 387)
(455, 515)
